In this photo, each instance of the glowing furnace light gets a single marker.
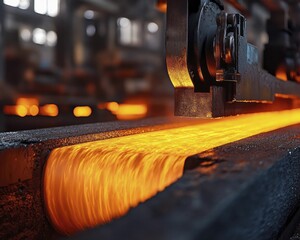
(34, 110)
(131, 111)
(113, 106)
(92, 183)
(18, 110)
(161, 6)
(82, 111)
(127, 111)
(27, 106)
(27, 101)
(21, 111)
(50, 110)
(24, 107)
(281, 73)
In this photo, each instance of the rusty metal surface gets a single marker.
(244, 190)
(16, 165)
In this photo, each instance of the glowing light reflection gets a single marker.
(281, 74)
(24, 107)
(126, 111)
(131, 111)
(50, 110)
(21, 111)
(82, 111)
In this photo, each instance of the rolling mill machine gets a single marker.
(228, 168)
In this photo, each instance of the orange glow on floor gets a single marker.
(82, 111)
(92, 183)
(50, 110)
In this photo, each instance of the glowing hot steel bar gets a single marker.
(93, 183)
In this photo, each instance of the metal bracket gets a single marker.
(212, 66)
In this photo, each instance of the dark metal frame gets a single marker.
(211, 64)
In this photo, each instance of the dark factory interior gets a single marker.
(150, 119)
(74, 62)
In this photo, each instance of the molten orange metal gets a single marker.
(93, 183)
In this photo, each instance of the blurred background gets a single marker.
(69, 62)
